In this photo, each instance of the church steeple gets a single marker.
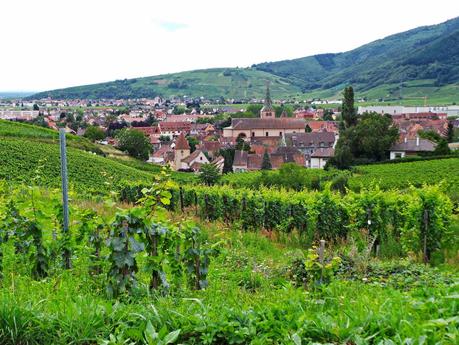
(267, 111)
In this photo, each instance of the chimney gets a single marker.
(417, 141)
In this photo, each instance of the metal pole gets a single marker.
(65, 197)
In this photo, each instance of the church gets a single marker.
(267, 125)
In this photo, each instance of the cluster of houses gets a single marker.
(301, 139)
(304, 139)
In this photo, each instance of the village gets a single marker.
(186, 135)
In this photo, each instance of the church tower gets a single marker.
(267, 112)
(182, 150)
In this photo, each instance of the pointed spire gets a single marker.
(284, 113)
(268, 102)
(182, 143)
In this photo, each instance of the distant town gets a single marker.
(186, 134)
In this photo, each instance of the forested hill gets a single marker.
(423, 62)
(428, 52)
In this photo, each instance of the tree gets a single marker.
(442, 148)
(94, 133)
(328, 115)
(35, 107)
(241, 145)
(343, 157)
(370, 139)
(266, 164)
(164, 138)
(192, 141)
(450, 135)
(430, 135)
(348, 112)
(209, 174)
(228, 155)
(134, 142)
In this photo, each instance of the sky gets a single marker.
(49, 44)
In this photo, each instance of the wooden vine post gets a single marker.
(181, 199)
(426, 228)
(321, 258)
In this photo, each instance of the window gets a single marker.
(267, 134)
(280, 134)
(253, 134)
(200, 158)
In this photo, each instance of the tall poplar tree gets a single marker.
(348, 112)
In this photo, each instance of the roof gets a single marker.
(323, 126)
(323, 152)
(210, 146)
(162, 151)
(147, 130)
(268, 104)
(182, 143)
(192, 157)
(276, 123)
(310, 139)
(240, 158)
(174, 126)
(410, 145)
(288, 153)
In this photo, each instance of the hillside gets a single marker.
(24, 148)
(412, 64)
(426, 53)
(212, 83)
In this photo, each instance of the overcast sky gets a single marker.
(47, 44)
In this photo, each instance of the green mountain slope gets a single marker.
(419, 62)
(427, 53)
(212, 83)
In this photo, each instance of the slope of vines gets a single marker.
(20, 159)
(11, 129)
(387, 216)
(400, 175)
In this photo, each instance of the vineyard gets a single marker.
(389, 217)
(19, 159)
(87, 172)
(141, 274)
(151, 257)
(386, 176)
(398, 176)
(9, 129)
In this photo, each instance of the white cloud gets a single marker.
(58, 43)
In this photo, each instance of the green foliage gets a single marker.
(311, 272)
(209, 174)
(348, 112)
(23, 131)
(87, 172)
(192, 141)
(94, 133)
(370, 139)
(134, 142)
(266, 163)
(123, 247)
(428, 219)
